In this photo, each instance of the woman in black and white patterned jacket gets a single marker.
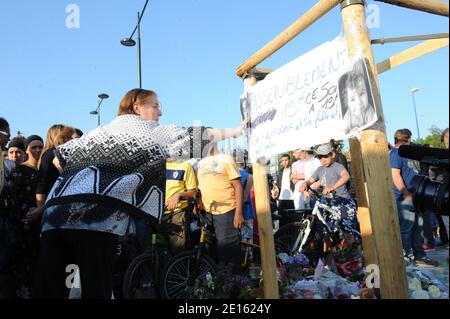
(108, 174)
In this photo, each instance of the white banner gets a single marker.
(319, 96)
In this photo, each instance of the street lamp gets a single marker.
(129, 42)
(414, 90)
(101, 96)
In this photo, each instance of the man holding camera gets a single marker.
(403, 171)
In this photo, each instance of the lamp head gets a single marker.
(93, 112)
(103, 96)
(128, 42)
(414, 90)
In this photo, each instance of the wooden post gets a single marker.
(311, 16)
(430, 6)
(410, 38)
(376, 165)
(264, 217)
(368, 240)
(411, 54)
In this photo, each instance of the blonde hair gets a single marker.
(135, 96)
(56, 135)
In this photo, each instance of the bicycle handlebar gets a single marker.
(316, 193)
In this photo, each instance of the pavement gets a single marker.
(440, 253)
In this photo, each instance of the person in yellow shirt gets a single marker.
(220, 185)
(180, 183)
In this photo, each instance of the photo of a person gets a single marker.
(356, 98)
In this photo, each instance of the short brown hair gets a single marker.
(402, 135)
(132, 97)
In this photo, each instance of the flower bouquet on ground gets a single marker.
(349, 262)
(225, 285)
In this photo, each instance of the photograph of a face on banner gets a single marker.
(357, 103)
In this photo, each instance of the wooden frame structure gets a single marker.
(370, 160)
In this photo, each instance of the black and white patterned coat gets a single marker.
(121, 165)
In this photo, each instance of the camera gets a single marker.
(430, 196)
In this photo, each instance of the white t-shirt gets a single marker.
(298, 167)
(310, 166)
(285, 191)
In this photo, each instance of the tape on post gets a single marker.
(346, 3)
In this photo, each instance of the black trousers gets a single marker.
(92, 252)
(285, 204)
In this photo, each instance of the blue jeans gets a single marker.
(428, 220)
(228, 239)
(410, 229)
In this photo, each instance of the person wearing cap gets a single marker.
(16, 150)
(24, 238)
(333, 177)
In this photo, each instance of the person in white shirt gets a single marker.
(310, 166)
(282, 191)
(298, 178)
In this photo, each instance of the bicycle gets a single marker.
(141, 279)
(181, 274)
(305, 236)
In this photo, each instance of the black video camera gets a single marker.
(430, 196)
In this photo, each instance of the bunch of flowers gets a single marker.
(226, 284)
(349, 262)
(294, 268)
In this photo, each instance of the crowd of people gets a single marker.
(67, 200)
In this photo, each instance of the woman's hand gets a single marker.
(241, 127)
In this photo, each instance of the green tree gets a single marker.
(433, 139)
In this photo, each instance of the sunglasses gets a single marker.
(8, 135)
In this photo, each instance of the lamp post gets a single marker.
(101, 96)
(414, 90)
(129, 42)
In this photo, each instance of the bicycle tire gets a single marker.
(174, 279)
(285, 237)
(141, 280)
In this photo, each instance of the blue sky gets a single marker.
(190, 50)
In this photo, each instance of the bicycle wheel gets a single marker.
(181, 273)
(141, 279)
(289, 237)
